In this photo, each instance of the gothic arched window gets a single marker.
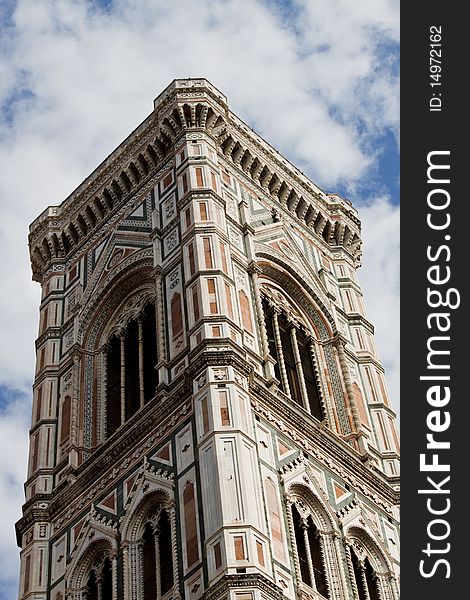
(131, 357)
(100, 582)
(365, 579)
(157, 560)
(371, 573)
(292, 348)
(309, 552)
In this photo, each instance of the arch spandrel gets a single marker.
(153, 490)
(366, 543)
(97, 309)
(301, 292)
(310, 497)
(95, 544)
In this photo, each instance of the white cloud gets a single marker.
(79, 79)
(14, 421)
(380, 281)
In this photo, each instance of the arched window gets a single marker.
(157, 560)
(370, 571)
(309, 552)
(365, 579)
(100, 581)
(292, 349)
(150, 563)
(131, 358)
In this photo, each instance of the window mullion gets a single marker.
(308, 554)
(99, 586)
(280, 354)
(362, 571)
(158, 574)
(298, 366)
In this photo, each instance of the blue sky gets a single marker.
(317, 78)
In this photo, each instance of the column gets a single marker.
(280, 355)
(325, 405)
(298, 366)
(126, 571)
(122, 337)
(311, 571)
(364, 580)
(159, 318)
(141, 361)
(330, 565)
(99, 586)
(395, 592)
(339, 578)
(382, 588)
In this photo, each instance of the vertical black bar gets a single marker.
(434, 251)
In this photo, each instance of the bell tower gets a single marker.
(210, 417)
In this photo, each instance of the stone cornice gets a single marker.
(116, 455)
(185, 106)
(325, 446)
(247, 580)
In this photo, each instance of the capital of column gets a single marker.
(157, 271)
(254, 269)
(291, 322)
(288, 498)
(339, 339)
(170, 506)
(105, 347)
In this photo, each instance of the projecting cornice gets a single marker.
(186, 105)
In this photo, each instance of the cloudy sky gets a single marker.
(318, 79)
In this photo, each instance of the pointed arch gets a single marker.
(370, 568)
(116, 305)
(149, 541)
(93, 565)
(314, 532)
(312, 377)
